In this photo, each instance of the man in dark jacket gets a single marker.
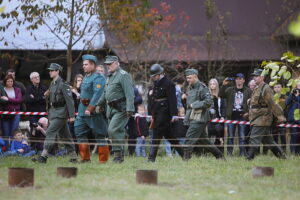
(163, 108)
(35, 101)
(236, 109)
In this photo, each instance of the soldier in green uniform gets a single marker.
(88, 120)
(60, 112)
(263, 109)
(199, 101)
(119, 96)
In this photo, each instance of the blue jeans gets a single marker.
(8, 126)
(140, 149)
(12, 153)
(295, 141)
(168, 148)
(231, 134)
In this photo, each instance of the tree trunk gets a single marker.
(69, 64)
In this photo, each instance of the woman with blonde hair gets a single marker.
(217, 111)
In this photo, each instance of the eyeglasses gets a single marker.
(36, 77)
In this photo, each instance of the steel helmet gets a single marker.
(156, 69)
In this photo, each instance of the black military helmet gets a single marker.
(156, 69)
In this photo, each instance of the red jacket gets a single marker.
(14, 104)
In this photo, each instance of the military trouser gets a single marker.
(59, 127)
(116, 129)
(197, 133)
(95, 124)
(161, 129)
(263, 134)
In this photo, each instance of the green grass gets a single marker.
(200, 178)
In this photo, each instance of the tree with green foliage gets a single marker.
(137, 24)
(70, 20)
(294, 27)
(285, 72)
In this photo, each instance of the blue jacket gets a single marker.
(15, 145)
(2, 143)
(293, 103)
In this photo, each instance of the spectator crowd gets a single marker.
(230, 101)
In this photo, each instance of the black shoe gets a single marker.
(251, 153)
(40, 159)
(84, 161)
(187, 155)
(119, 158)
(73, 160)
(278, 153)
(150, 160)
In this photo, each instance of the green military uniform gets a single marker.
(119, 96)
(199, 101)
(263, 109)
(61, 108)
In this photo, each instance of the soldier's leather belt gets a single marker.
(116, 104)
(258, 106)
(85, 102)
(161, 99)
(116, 101)
(57, 104)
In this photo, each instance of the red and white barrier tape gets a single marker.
(22, 113)
(149, 116)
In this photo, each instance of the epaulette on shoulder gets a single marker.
(123, 72)
(202, 84)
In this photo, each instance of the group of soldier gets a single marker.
(115, 98)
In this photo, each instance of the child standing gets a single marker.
(142, 128)
(19, 146)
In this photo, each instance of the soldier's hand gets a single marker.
(87, 112)
(281, 119)
(71, 119)
(47, 93)
(129, 113)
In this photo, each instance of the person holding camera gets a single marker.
(293, 101)
(236, 109)
(39, 134)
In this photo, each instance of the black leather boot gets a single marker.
(152, 154)
(217, 153)
(187, 155)
(40, 159)
(251, 153)
(118, 157)
(278, 152)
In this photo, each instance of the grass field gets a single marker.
(200, 178)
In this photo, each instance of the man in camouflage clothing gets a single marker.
(199, 101)
(263, 109)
